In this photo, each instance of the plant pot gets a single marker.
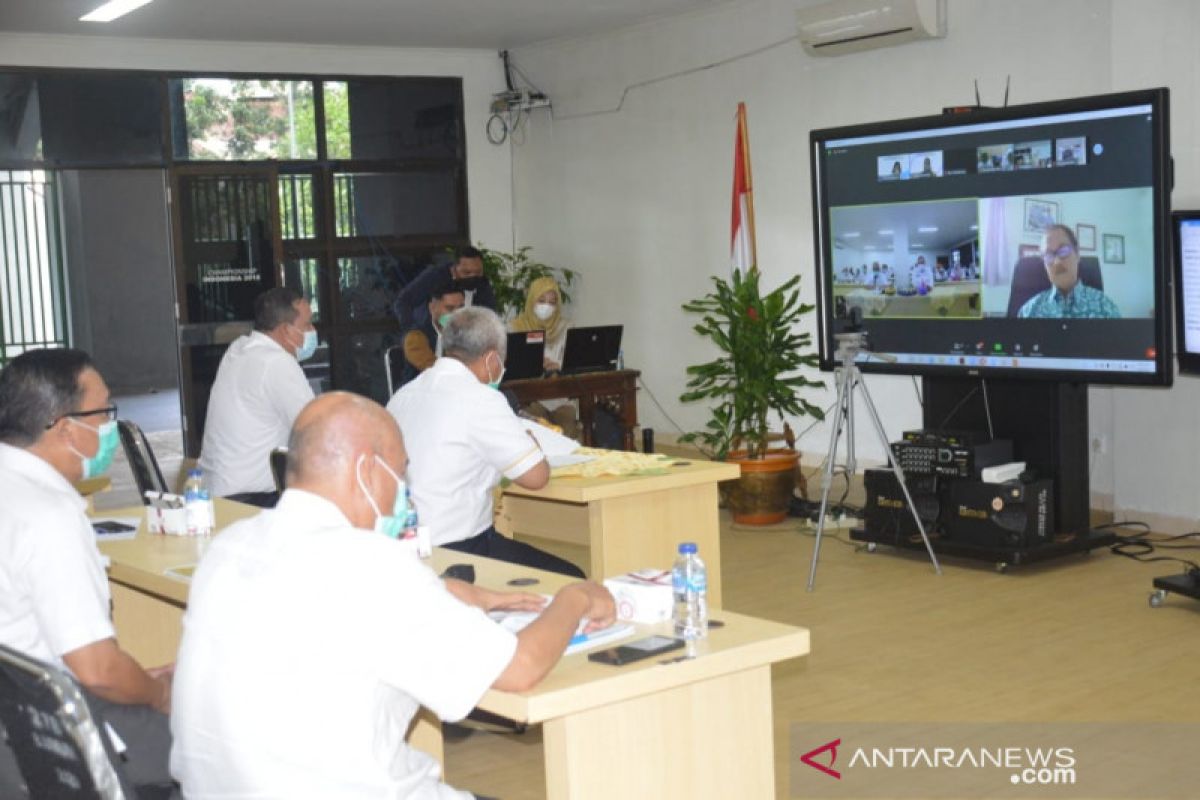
(762, 494)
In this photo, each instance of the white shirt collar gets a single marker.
(316, 511)
(38, 470)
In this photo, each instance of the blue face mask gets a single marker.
(389, 525)
(98, 464)
(308, 346)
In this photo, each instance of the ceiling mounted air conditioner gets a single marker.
(850, 26)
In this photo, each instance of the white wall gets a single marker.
(488, 166)
(638, 198)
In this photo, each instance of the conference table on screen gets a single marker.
(580, 704)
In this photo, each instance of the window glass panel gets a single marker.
(90, 118)
(220, 119)
(296, 209)
(20, 118)
(416, 203)
(395, 119)
(367, 285)
(304, 275)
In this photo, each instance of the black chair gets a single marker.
(279, 468)
(1030, 278)
(145, 469)
(57, 742)
(393, 367)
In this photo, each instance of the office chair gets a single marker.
(1029, 278)
(279, 468)
(57, 743)
(393, 367)
(145, 469)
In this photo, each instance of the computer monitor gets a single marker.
(526, 351)
(1186, 235)
(962, 239)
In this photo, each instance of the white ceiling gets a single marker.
(489, 24)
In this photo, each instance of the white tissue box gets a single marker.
(643, 595)
(161, 519)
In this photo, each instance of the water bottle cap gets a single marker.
(687, 547)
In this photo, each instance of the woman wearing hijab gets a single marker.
(543, 312)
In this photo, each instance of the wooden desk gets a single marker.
(588, 389)
(627, 522)
(697, 728)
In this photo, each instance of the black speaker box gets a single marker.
(1000, 514)
(887, 516)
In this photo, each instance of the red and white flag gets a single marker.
(742, 250)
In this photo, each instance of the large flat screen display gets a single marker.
(1029, 241)
(1186, 229)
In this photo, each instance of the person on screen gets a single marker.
(927, 168)
(921, 276)
(1067, 297)
(312, 635)
(897, 171)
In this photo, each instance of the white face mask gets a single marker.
(544, 311)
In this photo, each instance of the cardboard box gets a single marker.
(643, 596)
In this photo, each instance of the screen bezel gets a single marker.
(1157, 98)
(1189, 362)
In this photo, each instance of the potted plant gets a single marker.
(757, 375)
(511, 273)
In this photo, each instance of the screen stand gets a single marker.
(1047, 422)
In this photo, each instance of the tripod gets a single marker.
(850, 344)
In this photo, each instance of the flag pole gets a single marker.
(744, 138)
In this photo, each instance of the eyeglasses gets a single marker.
(109, 412)
(1052, 255)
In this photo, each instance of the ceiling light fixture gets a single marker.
(112, 10)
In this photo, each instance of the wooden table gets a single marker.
(629, 522)
(589, 388)
(698, 728)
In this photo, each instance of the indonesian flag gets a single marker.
(742, 252)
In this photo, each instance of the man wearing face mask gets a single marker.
(462, 438)
(411, 306)
(259, 390)
(57, 426)
(311, 636)
(423, 345)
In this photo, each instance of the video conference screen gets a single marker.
(1021, 241)
(1187, 288)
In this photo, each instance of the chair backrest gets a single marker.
(57, 743)
(1029, 278)
(146, 473)
(279, 468)
(393, 366)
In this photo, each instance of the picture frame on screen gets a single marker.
(1039, 214)
(1086, 234)
(1114, 248)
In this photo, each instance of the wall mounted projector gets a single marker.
(851, 26)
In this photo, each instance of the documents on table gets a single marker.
(515, 621)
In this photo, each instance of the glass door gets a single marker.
(227, 251)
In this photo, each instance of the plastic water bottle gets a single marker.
(689, 577)
(411, 521)
(620, 359)
(197, 504)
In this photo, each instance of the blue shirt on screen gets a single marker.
(1082, 302)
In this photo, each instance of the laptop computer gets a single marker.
(524, 359)
(592, 349)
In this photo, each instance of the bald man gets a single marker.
(311, 637)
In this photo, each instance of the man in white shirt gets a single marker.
(259, 390)
(462, 437)
(311, 636)
(57, 426)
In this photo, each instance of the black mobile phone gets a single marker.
(112, 526)
(636, 650)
